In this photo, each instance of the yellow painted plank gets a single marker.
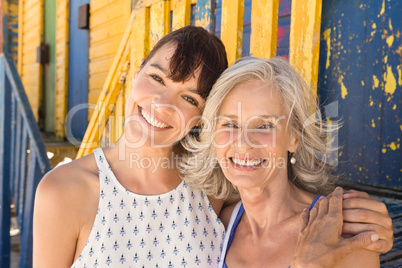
(159, 21)
(305, 39)
(181, 13)
(107, 14)
(30, 36)
(103, 49)
(264, 28)
(108, 95)
(232, 28)
(101, 65)
(110, 30)
(62, 38)
(140, 44)
(20, 35)
(96, 82)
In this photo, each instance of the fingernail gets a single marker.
(321, 197)
(338, 188)
(305, 209)
(374, 237)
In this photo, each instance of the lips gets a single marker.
(152, 120)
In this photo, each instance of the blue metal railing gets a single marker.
(23, 162)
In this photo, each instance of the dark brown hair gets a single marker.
(196, 49)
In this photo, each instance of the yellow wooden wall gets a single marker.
(30, 34)
(108, 21)
(61, 92)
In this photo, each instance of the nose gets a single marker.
(165, 102)
(242, 141)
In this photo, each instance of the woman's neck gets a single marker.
(276, 203)
(143, 169)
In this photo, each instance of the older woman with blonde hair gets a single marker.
(263, 138)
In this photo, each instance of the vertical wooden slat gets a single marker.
(181, 13)
(5, 101)
(19, 198)
(232, 28)
(119, 114)
(13, 162)
(34, 176)
(305, 39)
(18, 134)
(159, 21)
(204, 14)
(140, 44)
(264, 28)
(20, 34)
(61, 91)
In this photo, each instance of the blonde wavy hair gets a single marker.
(311, 172)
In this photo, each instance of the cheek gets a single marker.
(223, 141)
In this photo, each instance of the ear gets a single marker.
(293, 143)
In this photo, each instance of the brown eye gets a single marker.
(191, 100)
(157, 78)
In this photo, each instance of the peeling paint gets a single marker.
(392, 146)
(344, 90)
(390, 81)
(362, 83)
(390, 24)
(372, 123)
(376, 82)
(394, 108)
(371, 101)
(399, 68)
(384, 150)
(382, 8)
(390, 40)
(327, 38)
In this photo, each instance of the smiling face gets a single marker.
(160, 111)
(253, 140)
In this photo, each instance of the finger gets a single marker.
(335, 203)
(380, 246)
(304, 220)
(355, 228)
(322, 207)
(366, 216)
(313, 213)
(366, 204)
(359, 241)
(356, 194)
(385, 234)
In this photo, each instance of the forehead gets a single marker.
(253, 98)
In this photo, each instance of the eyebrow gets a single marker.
(160, 68)
(231, 116)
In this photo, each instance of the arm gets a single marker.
(361, 213)
(320, 243)
(54, 230)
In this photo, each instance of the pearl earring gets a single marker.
(293, 160)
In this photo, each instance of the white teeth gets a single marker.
(148, 117)
(247, 163)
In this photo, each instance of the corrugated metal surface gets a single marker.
(361, 48)
(108, 20)
(30, 34)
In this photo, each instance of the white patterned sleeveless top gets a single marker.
(175, 229)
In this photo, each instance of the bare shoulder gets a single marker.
(70, 180)
(226, 213)
(66, 201)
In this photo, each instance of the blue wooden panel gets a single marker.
(283, 26)
(78, 72)
(5, 126)
(34, 176)
(19, 197)
(359, 64)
